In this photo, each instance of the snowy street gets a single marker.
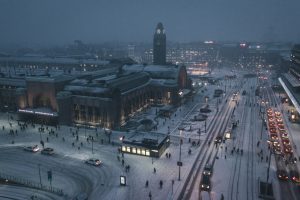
(239, 163)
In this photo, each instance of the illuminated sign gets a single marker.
(123, 180)
(227, 135)
(36, 112)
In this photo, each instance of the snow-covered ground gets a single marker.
(235, 175)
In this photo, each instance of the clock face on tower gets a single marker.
(158, 31)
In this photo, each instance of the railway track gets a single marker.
(203, 153)
(237, 164)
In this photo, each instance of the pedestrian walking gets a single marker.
(160, 184)
(154, 170)
(147, 183)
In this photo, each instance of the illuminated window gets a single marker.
(138, 151)
(143, 152)
(123, 148)
(128, 149)
(133, 150)
(147, 153)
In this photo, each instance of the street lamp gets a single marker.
(179, 163)
(92, 144)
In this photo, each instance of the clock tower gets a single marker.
(159, 45)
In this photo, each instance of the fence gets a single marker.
(31, 184)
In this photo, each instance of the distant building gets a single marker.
(290, 82)
(159, 45)
(40, 90)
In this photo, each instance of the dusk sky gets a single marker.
(58, 22)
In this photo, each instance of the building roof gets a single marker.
(155, 71)
(55, 78)
(86, 89)
(17, 82)
(128, 82)
(52, 60)
(146, 139)
(292, 80)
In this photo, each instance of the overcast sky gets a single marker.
(47, 22)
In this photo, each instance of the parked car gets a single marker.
(47, 151)
(93, 161)
(34, 148)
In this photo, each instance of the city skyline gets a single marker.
(33, 23)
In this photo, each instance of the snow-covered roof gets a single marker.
(155, 71)
(49, 60)
(56, 78)
(163, 82)
(140, 138)
(291, 96)
(86, 89)
(13, 82)
(79, 81)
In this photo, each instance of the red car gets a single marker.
(286, 142)
(295, 176)
(288, 149)
(274, 136)
(273, 130)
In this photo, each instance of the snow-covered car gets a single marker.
(93, 161)
(34, 148)
(47, 151)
